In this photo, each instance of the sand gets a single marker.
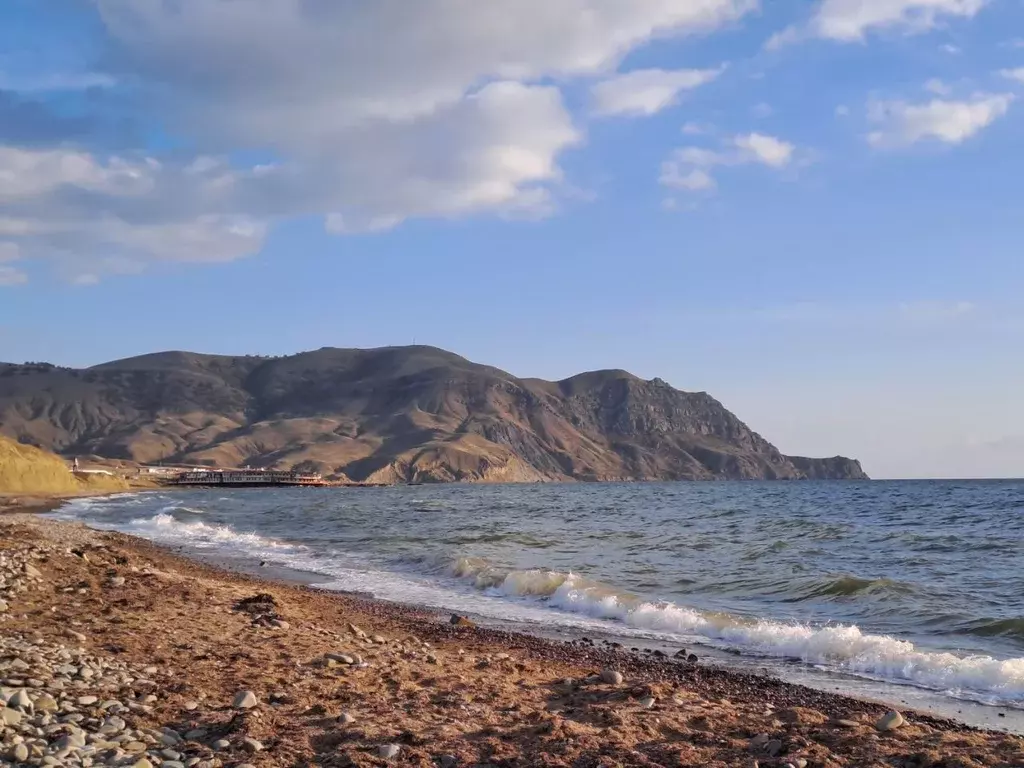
(429, 692)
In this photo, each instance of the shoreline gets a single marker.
(483, 696)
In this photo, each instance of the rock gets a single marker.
(115, 581)
(890, 721)
(646, 702)
(843, 723)
(31, 571)
(773, 748)
(221, 744)
(4, 606)
(388, 751)
(345, 719)
(611, 677)
(85, 701)
(10, 716)
(341, 658)
(447, 761)
(20, 700)
(379, 639)
(799, 762)
(251, 745)
(142, 763)
(20, 753)
(76, 636)
(692, 658)
(45, 703)
(759, 741)
(245, 700)
(460, 621)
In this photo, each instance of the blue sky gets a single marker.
(811, 210)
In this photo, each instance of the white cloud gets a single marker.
(10, 276)
(693, 128)
(951, 122)
(1013, 74)
(952, 50)
(762, 110)
(373, 113)
(937, 87)
(842, 110)
(688, 168)
(646, 91)
(851, 20)
(767, 150)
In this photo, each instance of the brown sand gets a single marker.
(445, 695)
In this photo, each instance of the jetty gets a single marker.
(248, 478)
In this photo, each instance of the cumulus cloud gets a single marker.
(851, 20)
(1013, 74)
(951, 122)
(646, 91)
(689, 168)
(370, 114)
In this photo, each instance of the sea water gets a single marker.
(878, 588)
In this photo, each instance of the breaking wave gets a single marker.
(166, 528)
(844, 648)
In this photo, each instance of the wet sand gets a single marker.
(439, 694)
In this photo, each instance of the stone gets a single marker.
(85, 701)
(45, 703)
(245, 700)
(345, 719)
(460, 621)
(773, 748)
(799, 762)
(388, 751)
(10, 716)
(646, 702)
(447, 761)
(251, 745)
(611, 677)
(4, 606)
(890, 721)
(843, 723)
(341, 658)
(20, 753)
(379, 639)
(20, 700)
(221, 744)
(142, 763)
(31, 571)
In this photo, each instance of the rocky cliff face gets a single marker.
(398, 414)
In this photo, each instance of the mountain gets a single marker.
(395, 414)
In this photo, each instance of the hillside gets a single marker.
(395, 414)
(26, 469)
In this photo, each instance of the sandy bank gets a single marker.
(183, 639)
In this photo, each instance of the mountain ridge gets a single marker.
(390, 414)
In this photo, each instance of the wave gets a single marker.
(166, 528)
(844, 648)
(996, 628)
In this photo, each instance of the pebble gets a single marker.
(611, 677)
(890, 721)
(221, 744)
(646, 702)
(10, 716)
(143, 763)
(388, 751)
(245, 700)
(251, 745)
(773, 747)
(346, 719)
(447, 761)
(20, 700)
(85, 701)
(20, 753)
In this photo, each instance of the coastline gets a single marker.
(481, 696)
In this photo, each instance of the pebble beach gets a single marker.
(115, 652)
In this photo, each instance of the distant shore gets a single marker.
(423, 689)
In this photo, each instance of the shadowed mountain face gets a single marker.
(396, 414)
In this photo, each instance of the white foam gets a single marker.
(165, 528)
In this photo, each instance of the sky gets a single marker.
(812, 210)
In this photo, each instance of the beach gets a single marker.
(339, 679)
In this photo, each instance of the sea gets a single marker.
(909, 592)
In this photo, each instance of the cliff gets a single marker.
(395, 414)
